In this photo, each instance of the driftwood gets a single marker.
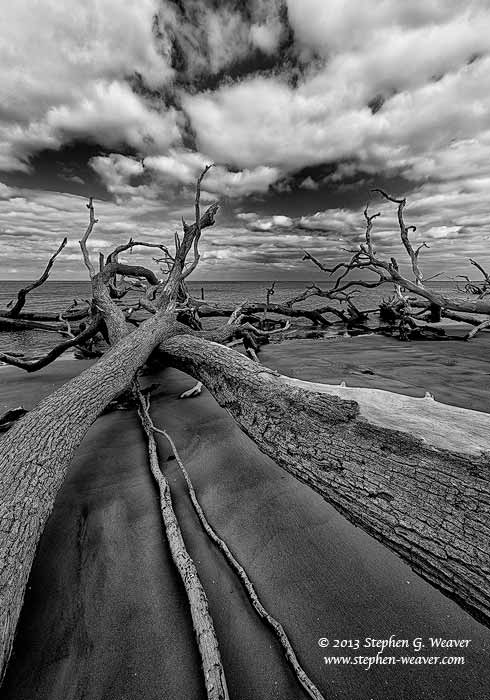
(22, 294)
(278, 630)
(481, 327)
(32, 365)
(212, 666)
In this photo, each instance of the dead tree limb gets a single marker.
(477, 329)
(278, 630)
(197, 224)
(485, 274)
(22, 293)
(83, 241)
(112, 257)
(21, 324)
(404, 230)
(212, 666)
(40, 362)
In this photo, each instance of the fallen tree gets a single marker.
(387, 271)
(378, 462)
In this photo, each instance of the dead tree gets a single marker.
(366, 258)
(427, 499)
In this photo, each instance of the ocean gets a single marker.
(56, 296)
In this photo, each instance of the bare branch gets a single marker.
(485, 274)
(167, 295)
(22, 293)
(404, 230)
(83, 242)
(309, 256)
(369, 226)
(40, 362)
(197, 223)
(118, 268)
(112, 257)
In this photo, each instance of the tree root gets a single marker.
(214, 675)
(276, 626)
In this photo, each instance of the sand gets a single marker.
(105, 616)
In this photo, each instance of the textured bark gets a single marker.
(36, 452)
(428, 504)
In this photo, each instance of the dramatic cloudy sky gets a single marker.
(303, 105)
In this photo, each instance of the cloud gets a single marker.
(309, 184)
(425, 69)
(5, 191)
(210, 39)
(184, 166)
(65, 71)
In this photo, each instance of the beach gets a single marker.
(105, 614)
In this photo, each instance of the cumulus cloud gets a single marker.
(65, 67)
(423, 66)
(184, 166)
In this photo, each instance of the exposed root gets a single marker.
(304, 680)
(214, 675)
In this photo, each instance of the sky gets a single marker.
(303, 106)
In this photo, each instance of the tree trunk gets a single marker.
(36, 452)
(427, 497)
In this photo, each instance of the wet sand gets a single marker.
(106, 617)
